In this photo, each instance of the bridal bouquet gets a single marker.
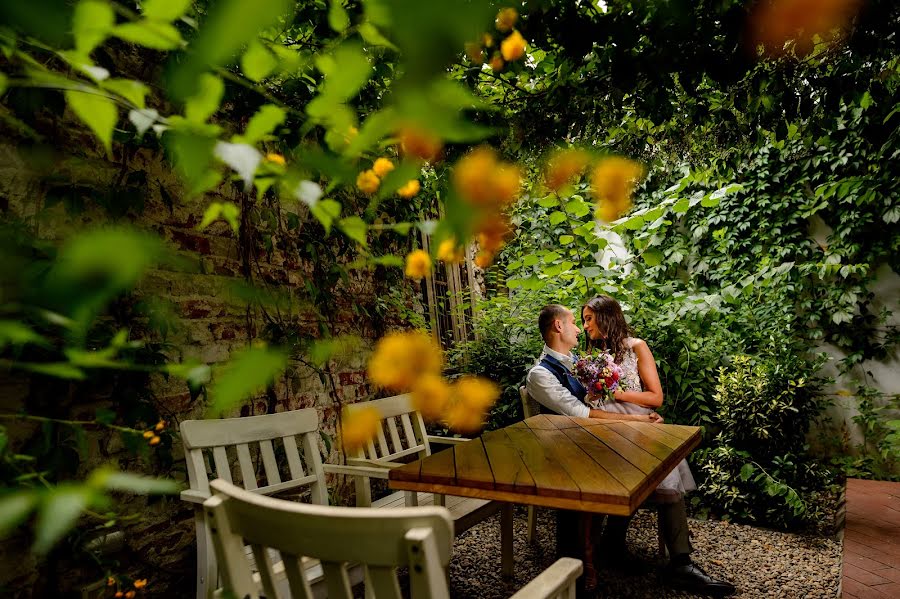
(599, 373)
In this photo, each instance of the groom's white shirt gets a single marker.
(544, 387)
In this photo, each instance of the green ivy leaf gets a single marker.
(551, 256)
(204, 104)
(566, 239)
(131, 90)
(548, 202)
(578, 207)
(165, 10)
(261, 124)
(557, 217)
(653, 257)
(246, 374)
(91, 23)
(355, 228)
(150, 34)
(258, 62)
(97, 112)
(58, 513)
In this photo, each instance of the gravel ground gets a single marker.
(760, 562)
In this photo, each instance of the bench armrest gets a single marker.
(446, 440)
(366, 463)
(194, 496)
(368, 471)
(560, 576)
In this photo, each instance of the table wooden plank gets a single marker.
(510, 472)
(621, 469)
(549, 478)
(540, 422)
(439, 468)
(562, 422)
(472, 466)
(680, 431)
(643, 438)
(409, 472)
(596, 484)
(519, 424)
(658, 432)
(644, 461)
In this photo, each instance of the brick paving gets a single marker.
(871, 563)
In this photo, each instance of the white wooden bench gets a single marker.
(419, 539)
(262, 454)
(406, 439)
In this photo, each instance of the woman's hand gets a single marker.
(655, 418)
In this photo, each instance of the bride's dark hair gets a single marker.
(611, 321)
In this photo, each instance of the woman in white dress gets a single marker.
(640, 391)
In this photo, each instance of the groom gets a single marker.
(551, 383)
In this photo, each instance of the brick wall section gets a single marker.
(210, 326)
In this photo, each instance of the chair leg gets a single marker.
(440, 500)
(207, 572)
(532, 523)
(506, 539)
(411, 498)
(363, 491)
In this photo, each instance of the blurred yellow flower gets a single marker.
(418, 264)
(401, 358)
(563, 166)
(488, 40)
(484, 259)
(368, 182)
(449, 252)
(110, 581)
(612, 183)
(492, 231)
(461, 419)
(119, 594)
(483, 180)
(160, 425)
(430, 396)
(476, 393)
(359, 427)
(475, 53)
(409, 189)
(513, 47)
(382, 167)
(149, 434)
(781, 27)
(506, 19)
(415, 141)
(497, 63)
(140, 583)
(275, 158)
(154, 440)
(507, 183)
(129, 594)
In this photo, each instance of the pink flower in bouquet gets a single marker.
(599, 373)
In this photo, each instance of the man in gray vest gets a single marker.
(551, 383)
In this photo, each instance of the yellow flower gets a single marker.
(484, 181)
(492, 232)
(275, 158)
(160, 425)
(449, 252)
(513, 47)
(359, 427)
(148, 434)
(110, 581)
(476, 393)
(415, 141)
(119, 594)
(382, 167)
(564, 166)
(487, 40)
(140, 583)
(497, 63)
(484, 259)
(418, 264)
(507, 183)
(154, 440)
(474, 52)
(612, 183)
(410, 189)
(368, 182)
(506, 19)
(461, 419)
(795, 26)
(401, 358)
(430, 396)
(130, 594)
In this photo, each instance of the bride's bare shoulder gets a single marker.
(634, 343)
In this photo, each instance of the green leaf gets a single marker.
(143, 119)
(165, 10)
(97, 112)
(131, 90)
(16, 333)
(110, 480)
(15, 507)
(747, 471)
(91, 23)
(634, 223)
(371, 34)
(210, 215)
(204, 104)
(681, 206)
(548, 202)
(3, 83)
(262, 124)
(653, 257)
(150, 34)
(337, 16)
(566, 239)
(58, 513)
(530, 260)
(326, 211)
(60, 370)
(346, 71)
(245, 375)
(550, 257)
(557, 217)
(355, 228)
(258, 62)
(590, 272)
(578, 207)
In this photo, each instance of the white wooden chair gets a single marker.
(531, 407)
(254, 444)
(418, 538)
(406, 437)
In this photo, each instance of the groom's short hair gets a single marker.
(548, 314)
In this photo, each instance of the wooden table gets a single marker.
(581, 464)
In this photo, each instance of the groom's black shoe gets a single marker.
(691, 577)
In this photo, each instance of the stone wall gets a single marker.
(210, 324)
